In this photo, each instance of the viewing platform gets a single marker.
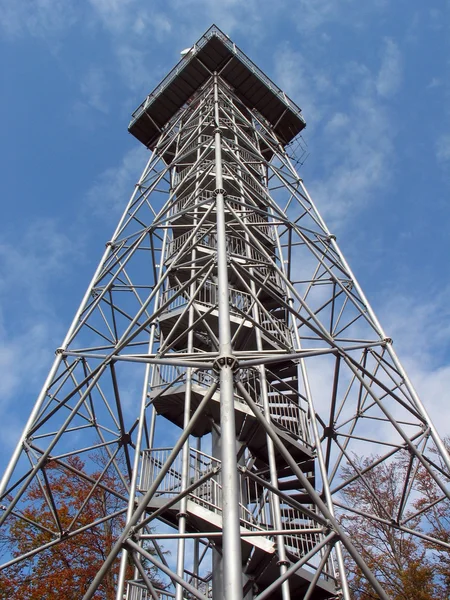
(215, 52)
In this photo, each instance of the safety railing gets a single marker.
(138, 591)
(240, 302)
(269, 275)
(255, 503)
(198, 142)
(203, 167)
(214, 31)
(285, 411)
(246, 178)
(164, 375)
(299, 544)
(208, 494)
(190, 200)
(202, 199)
(208, 239)
(202, 237)
(208, 295)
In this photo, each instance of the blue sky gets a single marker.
(373, 79)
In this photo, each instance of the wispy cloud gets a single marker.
(390, 73)
(39, 18)
(421, 333)
(308, 83)
(115, 15)
(134, 67)
(313, 14)
(108, 195)
(443, 148)
(30, 267)
(229, 15)
(30, 261)
(120, 17)
(352, 130)
(94, 88)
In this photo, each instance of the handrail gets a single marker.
(208, 239)
(179, 67)
(255, 507)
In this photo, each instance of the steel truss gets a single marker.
(266, 377)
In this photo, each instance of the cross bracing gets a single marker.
(267, 385)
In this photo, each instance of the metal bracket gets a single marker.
(225, 361)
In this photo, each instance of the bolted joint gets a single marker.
(225, 361)
(182, 514)
(329, 526)
(388, 340)
(218, 191)
(217, 130)
(329, 432)
(125, 440)
(59, 351)
(331, 237)
(108, 244)
(283, 563)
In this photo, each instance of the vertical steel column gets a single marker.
(232, 561)
(183, 514)
(138, 446)
(274, 499)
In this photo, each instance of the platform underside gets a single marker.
(215, 53)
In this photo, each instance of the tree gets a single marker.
(65, 570)
(405, 566)
(436, 517)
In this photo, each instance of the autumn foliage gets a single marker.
(408, 567)
(63, 570)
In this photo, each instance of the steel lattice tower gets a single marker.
(266, 375)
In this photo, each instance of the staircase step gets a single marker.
(306, 466)
(301, 497)
(292, 484)
(285, 418)
(283, 382)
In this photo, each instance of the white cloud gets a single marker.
(317, 12)
(421, 334)
(30, 262)
(134, 67)
(120, 17)
(30, 266)
(443, 148)
(110, 192)
(351, 130)
(94, 88)
(157, 23)
(390, 74)
(40, 18)
(25, 354)
(227, 14)
(115, 15)
(305, 82)
(313, 14)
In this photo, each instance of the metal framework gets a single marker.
(269, 386)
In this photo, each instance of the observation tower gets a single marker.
(225, 380)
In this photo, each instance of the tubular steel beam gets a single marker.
(260, 365)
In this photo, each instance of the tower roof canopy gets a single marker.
(215, 52)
